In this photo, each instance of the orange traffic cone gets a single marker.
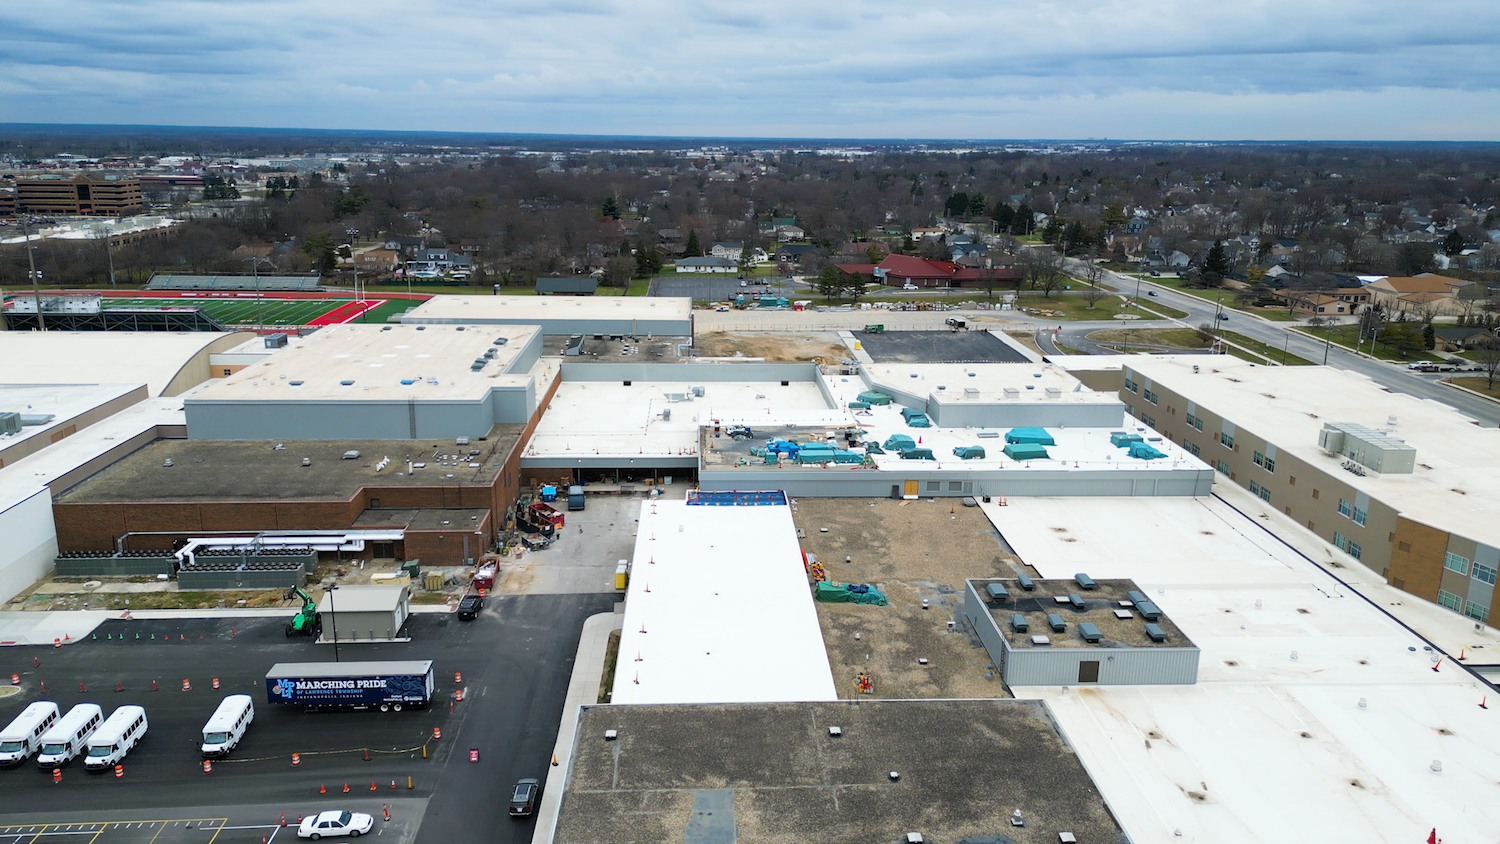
(346, 788)
(322, 789)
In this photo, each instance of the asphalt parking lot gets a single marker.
(711, 288)
(515, 659)
(971, 346)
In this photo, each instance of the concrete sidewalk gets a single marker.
(43, 628)
(583, 690)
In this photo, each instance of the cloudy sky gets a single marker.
(1177, 69)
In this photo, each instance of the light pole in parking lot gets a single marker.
(260, 302)
(333, 617)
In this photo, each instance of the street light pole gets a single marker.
(333, 616)
(36, 277)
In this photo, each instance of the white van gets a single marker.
(23, 736)
(227, 726)
(70, 735)
(115, 737)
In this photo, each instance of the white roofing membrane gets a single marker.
(1266, 747)
(593, 418)
(718, 610)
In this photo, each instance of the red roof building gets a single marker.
(900, 270)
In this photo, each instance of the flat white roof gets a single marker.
(435, 359)
(25, 477)
(1031, 380)
(1289, 405)
(482, 308)
(599, 418)
(153, 358)
(64, 402)
(729, 616)
(1265, 747)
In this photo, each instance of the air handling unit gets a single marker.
(1368, 448)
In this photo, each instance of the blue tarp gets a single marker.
(1026, 451)
(1029, 435)
(1120, 439)
(1143, 451)
(899, 442)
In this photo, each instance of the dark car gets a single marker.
(1150, 292)
(1224, 317)
(469, 607)
(524, 797)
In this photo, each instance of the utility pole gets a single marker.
(36, 277)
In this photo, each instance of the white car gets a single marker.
(335, 822)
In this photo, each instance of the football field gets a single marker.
(268, 311)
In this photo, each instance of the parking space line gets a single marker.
(222, 821)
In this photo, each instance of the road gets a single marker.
(1275, 334)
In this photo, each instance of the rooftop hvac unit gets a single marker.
(10, 423)
(1155, 633)
(1056, 622)
(501, 341)
(1090, 632)
(1375, 450)
(351, 455)
(275, 341)
(1026, 582)
(698, 391)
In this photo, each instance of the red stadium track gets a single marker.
(198, 294)
(348, 313)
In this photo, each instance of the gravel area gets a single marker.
(774, 345)
(910, 550)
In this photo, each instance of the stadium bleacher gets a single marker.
(307, 283)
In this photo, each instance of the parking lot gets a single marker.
(973, 346)
(515, 661)
(716, 288)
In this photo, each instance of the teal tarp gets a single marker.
(859, 405)
(1143, 451)
(915, 418)
(873, 448)
(874, 397)
(1026, 451)
(850, 593)
(899, 442)
(1120, 439)
(917, 454)
(1029, 435)
(969, 452)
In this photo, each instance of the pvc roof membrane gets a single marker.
(728, 616)
(375, 362)
(517, 309)
(1455, 485)
(1273, 736)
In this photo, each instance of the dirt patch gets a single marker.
(910, 550)
(823, 346)
(1028, 340)
(611, 656)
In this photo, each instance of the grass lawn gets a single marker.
(1148, 306)
(1268, 352)
(1348, 335)
(1177, 338)
(1478, 384)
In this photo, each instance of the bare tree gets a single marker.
(1487, 355)
(1093, 273)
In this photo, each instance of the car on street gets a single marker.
(335, 822)
(469, 607)
(524, 797)
(1224, 317)
(1150, 292)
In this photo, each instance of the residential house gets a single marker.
(1461, 337)
(709, 264)
(861, 249)
(864, 271)
(1314, 302)
(439, 261)
(786, 234)
(406, 245)
(567, 286)
(731, 249)
(377, 260)
(793, 253)
(959, 252)
(932, 232)
(1426, 291)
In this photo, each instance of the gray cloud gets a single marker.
(960, 68)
